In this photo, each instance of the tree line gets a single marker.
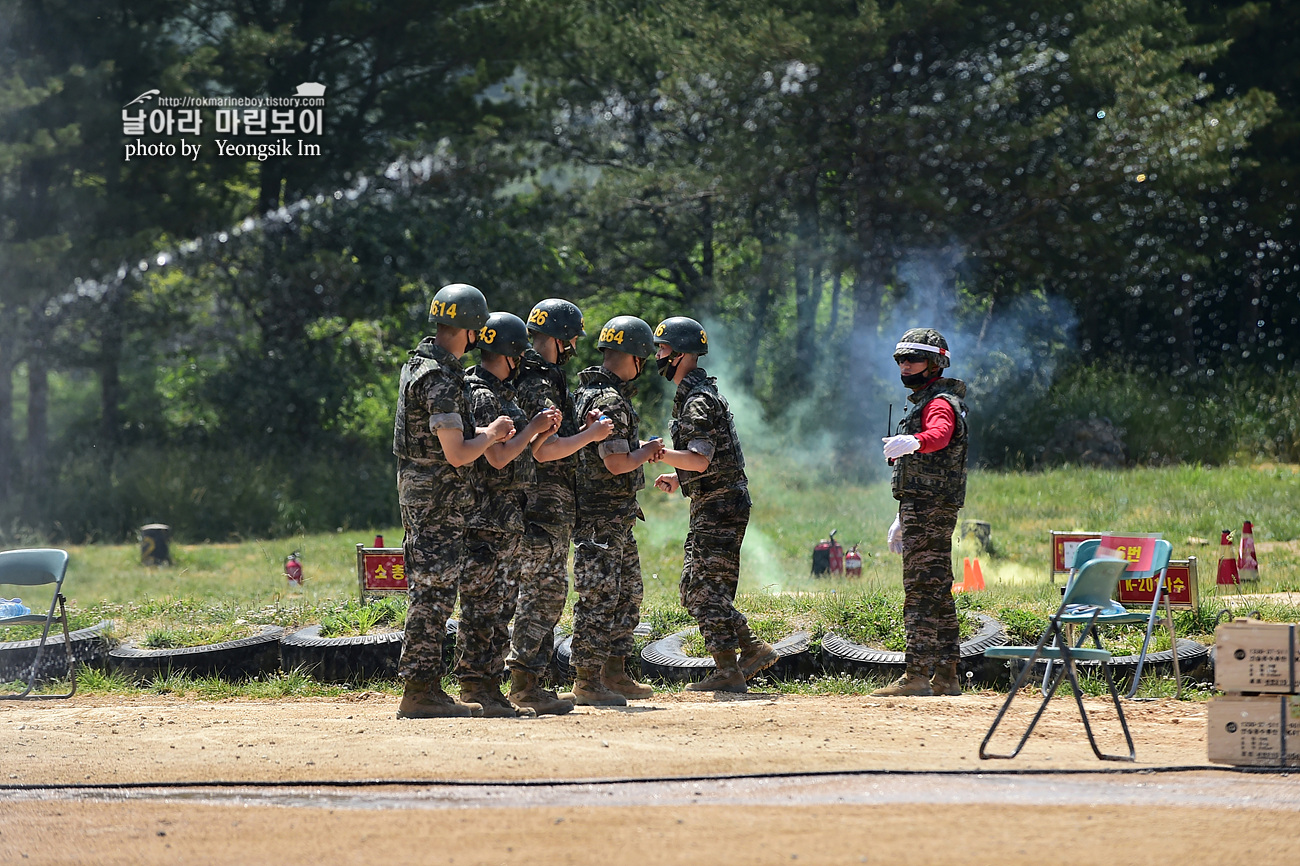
(1080, 190)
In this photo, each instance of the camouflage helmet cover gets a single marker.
(926, 343)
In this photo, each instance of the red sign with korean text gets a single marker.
(1180, 585)
(1139, 550)
(383, 572)
(1064, 545)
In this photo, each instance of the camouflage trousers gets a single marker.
(434, 548)
(929, 615)
(489, 582)
(543, 588)
(607, 577)
(711, 567)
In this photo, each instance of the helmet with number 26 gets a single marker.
(627, 334)
(558, 318)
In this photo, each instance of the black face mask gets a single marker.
(668, 366)
(640, 367)
(513, 365)
(564, 354)
(472, 341)
(916, 380)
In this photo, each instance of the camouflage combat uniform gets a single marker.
(434, 498)
(606, 564)
(930, 489)
(490, 574)
(720, 505)
(549, 517)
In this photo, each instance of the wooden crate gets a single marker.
(1255, 731)
(1255, 657)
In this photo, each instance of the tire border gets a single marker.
(89, 647)
(246, 657)
(842, 656)
(664, 660)
(341, 659)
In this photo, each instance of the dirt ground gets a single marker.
(102, 741)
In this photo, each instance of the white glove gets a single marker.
(895, 537)
(897, 446)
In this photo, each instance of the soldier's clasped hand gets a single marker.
(501, 429)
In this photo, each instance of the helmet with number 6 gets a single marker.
(504, 334)
(558, 318)
(627, 334)
(682, 334)
(459, 305)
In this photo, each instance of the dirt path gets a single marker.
(103, 741)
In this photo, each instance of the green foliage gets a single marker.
(354, 619)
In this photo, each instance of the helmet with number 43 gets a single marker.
(627, 334)
(504, 334)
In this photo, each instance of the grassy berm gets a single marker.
(217, 591)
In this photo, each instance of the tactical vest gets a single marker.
(501, 507)
(534, 367)
(726, 469)
(939, 476)
(593, 477)
(412, 438)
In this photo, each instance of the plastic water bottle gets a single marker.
(13, 607)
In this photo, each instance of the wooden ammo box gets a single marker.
(1255, 657)
(1255, 731)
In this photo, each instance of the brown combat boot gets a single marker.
(945, 680)
(424, 701)
(726, 677)
(616, 680)
(526, 693)
(589, 690)
(488, 693)
(911, 684)
(755, 655)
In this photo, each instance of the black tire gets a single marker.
(90, 646)
(664, 659)
(1193, 657)
(842, 656)
(247, 657)
(341, 659)
(562, 660)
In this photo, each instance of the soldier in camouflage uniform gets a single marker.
(435, 441)
(929, 458)
(606, 564)
(490, 577)
(711, 472)
(554, 326)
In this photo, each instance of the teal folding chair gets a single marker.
(1118, 615)
(39, 567)
(1087, 597)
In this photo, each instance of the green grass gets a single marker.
(240, 585)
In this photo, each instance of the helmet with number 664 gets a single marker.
(627, 334)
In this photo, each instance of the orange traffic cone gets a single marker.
(965, 576)
(1228, 575)
(975, 581)
(1247, 564)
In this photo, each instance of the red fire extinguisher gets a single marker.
(828, 556)
(293, 568)
(853, 563)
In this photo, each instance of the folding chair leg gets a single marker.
(1173, 643)
(1050, 682)
(40, 652)
(1151, 626)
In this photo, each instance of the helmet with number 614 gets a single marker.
(627, 334)
(504, 334)
(558, 318)
(459, 305)
(683, 334)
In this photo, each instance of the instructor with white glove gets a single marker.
(929, 481)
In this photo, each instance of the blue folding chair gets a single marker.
(39, 567)
(1087, 597)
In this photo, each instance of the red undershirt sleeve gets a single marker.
(937, 423)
